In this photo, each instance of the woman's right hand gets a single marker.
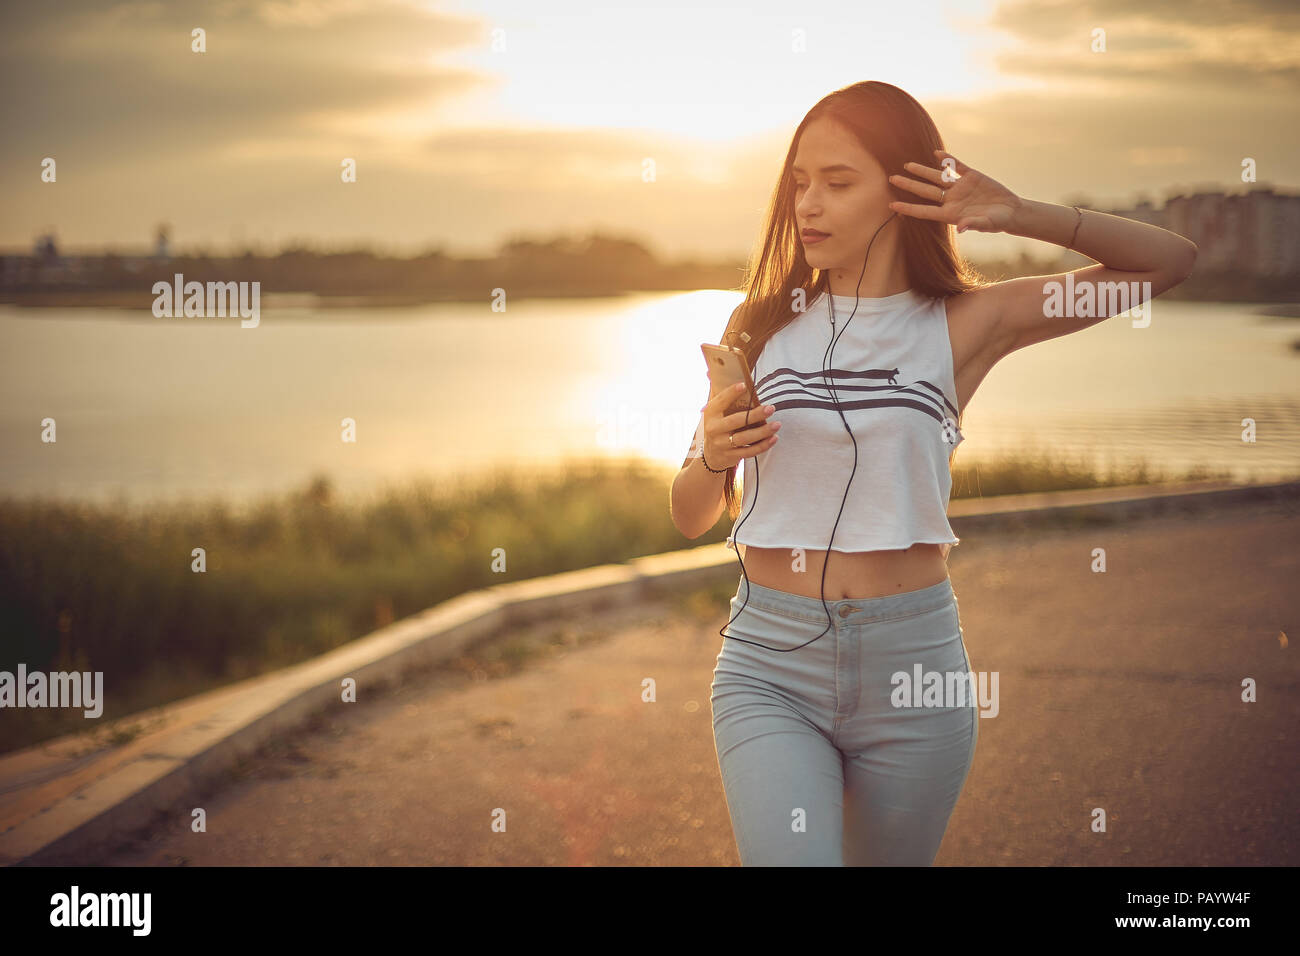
(747, 440)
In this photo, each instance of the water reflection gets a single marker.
(189, 407)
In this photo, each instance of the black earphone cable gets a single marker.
(827, 365)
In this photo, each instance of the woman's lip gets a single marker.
(815, 236)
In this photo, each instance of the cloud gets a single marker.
(1187, 43)
(246, 139)
(1129, 74)
(1050, 19)
(119, 83)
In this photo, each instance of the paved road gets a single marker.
(1118, 690)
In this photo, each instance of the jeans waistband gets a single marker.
(847, 610)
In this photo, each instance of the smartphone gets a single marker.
(727, 366)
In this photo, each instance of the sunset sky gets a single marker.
(462, 145)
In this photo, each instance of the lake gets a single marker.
(150, 408)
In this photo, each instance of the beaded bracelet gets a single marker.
(716, 471)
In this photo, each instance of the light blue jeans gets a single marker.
(819, 766)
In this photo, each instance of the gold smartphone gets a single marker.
(727, 366)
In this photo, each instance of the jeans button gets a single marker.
(844, 611)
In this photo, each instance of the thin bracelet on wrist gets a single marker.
(1077, 223)
(716, 471)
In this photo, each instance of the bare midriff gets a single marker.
(850, 574)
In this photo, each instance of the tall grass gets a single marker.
(111, 588)
(1025, 472)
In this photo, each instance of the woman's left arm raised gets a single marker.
(1020, 312)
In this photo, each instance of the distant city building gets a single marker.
(47, 252)
(1253, 233)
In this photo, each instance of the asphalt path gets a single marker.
(1120, 690)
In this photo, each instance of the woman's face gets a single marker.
(848, 204)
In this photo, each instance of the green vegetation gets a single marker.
(568, 266)
(110, 588)
(1025, 473)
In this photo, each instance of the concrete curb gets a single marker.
(59, 804)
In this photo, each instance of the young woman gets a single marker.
(868, 335)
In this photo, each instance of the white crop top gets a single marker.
(893, 378)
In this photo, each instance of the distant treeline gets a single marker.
(563, 267)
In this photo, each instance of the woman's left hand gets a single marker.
(970, 201)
